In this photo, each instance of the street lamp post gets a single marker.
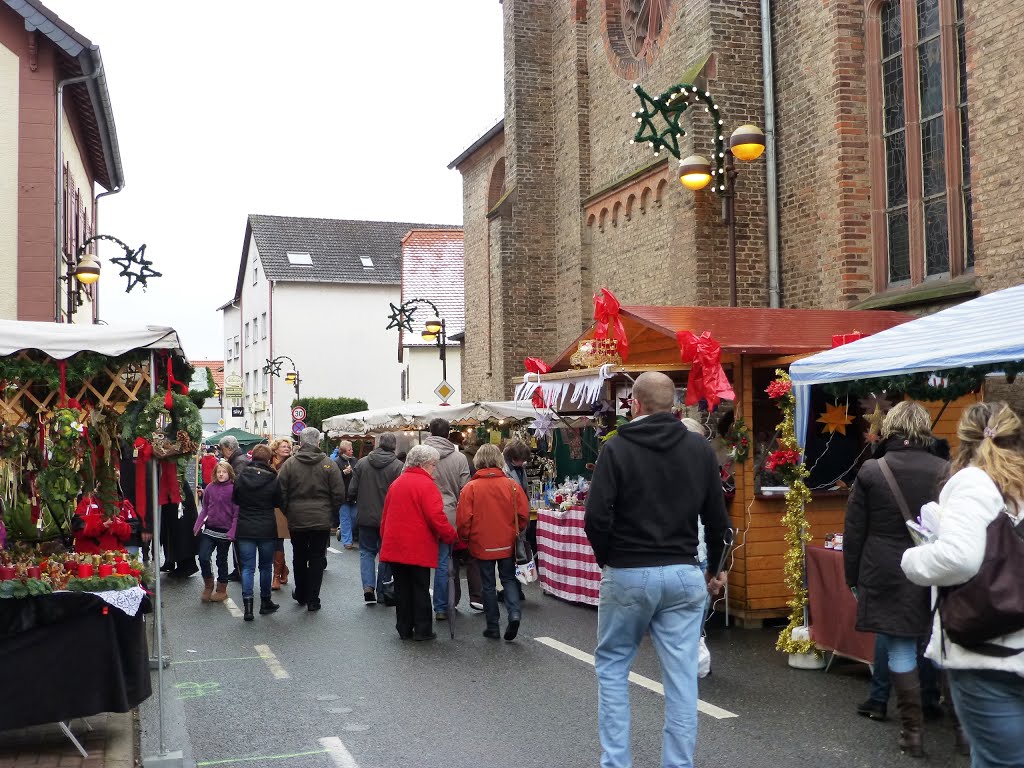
(434, 331)
(273, 368)
(696, 171)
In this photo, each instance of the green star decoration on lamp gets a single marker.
(273, 367)
(670, 106)
(401, 317)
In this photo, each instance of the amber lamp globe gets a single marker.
(88, 270)
(747, 142)
(433, 327)
(695, 172)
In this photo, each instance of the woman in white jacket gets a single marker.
(987, 481)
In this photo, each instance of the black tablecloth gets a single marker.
(62, 657)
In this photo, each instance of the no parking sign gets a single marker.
(298, 426)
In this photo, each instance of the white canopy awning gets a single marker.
(988, 329)
(62, 340)
(413, 416)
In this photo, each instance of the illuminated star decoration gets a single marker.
(138, 258)
(273, 367)
(626, 403)
(542, 425)
(835, 418)
(400, 317)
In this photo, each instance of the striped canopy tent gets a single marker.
(986, 330)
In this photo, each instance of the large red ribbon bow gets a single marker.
(171, 382)
(538, 366)
(143, 453)
(707, 380)
(606, 313)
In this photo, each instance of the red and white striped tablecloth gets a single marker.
(567, 566)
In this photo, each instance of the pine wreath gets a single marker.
(183, 415)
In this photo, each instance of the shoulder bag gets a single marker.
(526, 566)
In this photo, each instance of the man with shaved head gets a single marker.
(653, 482)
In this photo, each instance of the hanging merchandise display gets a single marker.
(835, 418)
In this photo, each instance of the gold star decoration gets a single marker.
(835, 418)
(874, 420)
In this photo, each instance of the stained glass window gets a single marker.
(923, 207)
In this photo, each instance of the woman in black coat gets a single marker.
(257, 492)
(874, 540)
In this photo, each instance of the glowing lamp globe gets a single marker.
(747, 142)
(695, 172)
(433, 326)
(88, 270)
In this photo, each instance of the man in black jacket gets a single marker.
(373, 475)
(651, 484)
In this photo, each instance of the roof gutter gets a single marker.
(92, 61)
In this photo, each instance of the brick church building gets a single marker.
(889, 128)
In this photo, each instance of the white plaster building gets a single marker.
(319, 292)
(432, 270)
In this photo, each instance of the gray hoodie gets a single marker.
(373, 475)
(451, 475)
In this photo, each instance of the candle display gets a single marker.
(122, 568)
(106, 569)
(84, 570)
(34, 572)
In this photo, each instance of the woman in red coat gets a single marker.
(412, 522)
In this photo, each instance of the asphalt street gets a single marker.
(338, 688)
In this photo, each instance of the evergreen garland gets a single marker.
(959, 382)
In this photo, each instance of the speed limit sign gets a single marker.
(298, 413)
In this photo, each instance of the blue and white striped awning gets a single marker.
(988, 329)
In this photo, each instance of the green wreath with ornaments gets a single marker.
(183, 415)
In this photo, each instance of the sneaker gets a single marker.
(873, 709)
(511, 630)
(441, 616)
(476, 606)
(369, 597)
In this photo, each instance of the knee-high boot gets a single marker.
(275, 584)
(284, 568)
(908, 704)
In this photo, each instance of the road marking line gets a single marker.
(233, 609)
(261, 757)
(644, 682)
(339, 755)
(275, 666)
(335, 551)
(201, 661)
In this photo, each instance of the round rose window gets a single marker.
(635, 31)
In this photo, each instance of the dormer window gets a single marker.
(300, 259)
(367, 262)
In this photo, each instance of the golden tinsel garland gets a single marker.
(797, 532)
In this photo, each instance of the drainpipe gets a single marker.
(95, 218)
(774, 291)
(59, 229)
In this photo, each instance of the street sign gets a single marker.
(233, 386)
(444, 391)
(298, 413)
(237, 411)
(220, 422)
(298, 426)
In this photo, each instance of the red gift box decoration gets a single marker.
(845, 338)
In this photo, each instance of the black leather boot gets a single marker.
(908, 705)
(267, 605)
(247, 606)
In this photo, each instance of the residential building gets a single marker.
(889, 193)
(211, 410)
(53, 154)
(313, 295)
(432, 277)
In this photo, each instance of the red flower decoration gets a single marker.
(782, 458)
(779, 388)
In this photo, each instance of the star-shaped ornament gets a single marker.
(873, 401)
(874, 420)
(135, 258)
(542, 425)
(671, 105)
(835, 418)
(626, 403)
(273, 367)
(400, 317)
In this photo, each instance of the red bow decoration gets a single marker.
(171, 382)
(707, 380)
(606, 313)
(143, 453)
(538, 366)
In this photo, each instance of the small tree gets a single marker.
(318, 409)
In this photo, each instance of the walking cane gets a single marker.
(452, 584)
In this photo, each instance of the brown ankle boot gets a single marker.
(221, 594)
(908, 705)
(275, 583)
(207, 589)
(284, 569)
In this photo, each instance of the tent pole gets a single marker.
(155, 498)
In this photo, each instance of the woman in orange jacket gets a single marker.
(493, 510)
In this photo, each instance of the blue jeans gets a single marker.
(880, 674)
(444, 551)
(247, 551)
(369, 548)
(991, 710)
(348, 522)
(669, 601)
(507, 574)
(207, 545)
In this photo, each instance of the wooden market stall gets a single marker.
(754, 343)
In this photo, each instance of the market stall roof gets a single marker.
(413, 416)
(984, 330)
(245, 439)
(651, 330)
(62, 340)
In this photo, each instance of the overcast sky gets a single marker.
(333, 108)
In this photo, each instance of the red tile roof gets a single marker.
(432, 269)
(216, 368)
